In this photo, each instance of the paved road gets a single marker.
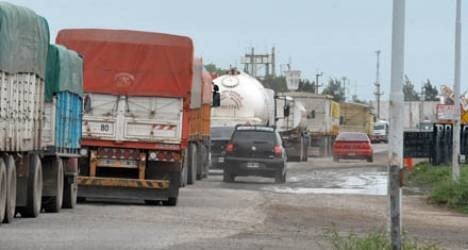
(253, 213)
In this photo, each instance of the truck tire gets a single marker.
(53, 204)
(152, 202)
(3, 189)
(10, 203)
(34, 189)
(70, 193)
(170, 202)
(200, 162)
(184, 171)
(228, 177)
(192, 170)
(206, 161)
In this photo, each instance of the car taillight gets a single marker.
(229, 148)
(278, 150)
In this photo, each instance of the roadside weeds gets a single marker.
(437, 184)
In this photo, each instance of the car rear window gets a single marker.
(352, 137)
(246, 136)
(221, 132)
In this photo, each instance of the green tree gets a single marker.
(430, 91)
(306, 85)
(212, 68)
(277, 83)
(336, 89)
(409, 92)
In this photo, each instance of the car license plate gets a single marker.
(221, 159)
(253, 165)
(351, 154)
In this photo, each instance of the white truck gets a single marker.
(244, 100)
(380, 131)
(322, 121)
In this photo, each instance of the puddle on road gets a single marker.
(341, 182)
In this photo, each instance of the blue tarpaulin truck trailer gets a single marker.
(34, 173)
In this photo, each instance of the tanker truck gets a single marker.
(244, 100)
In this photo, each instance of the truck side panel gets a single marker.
(22, 98)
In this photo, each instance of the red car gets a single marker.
(352, 145)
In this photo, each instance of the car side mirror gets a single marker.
(86, 104)
(286, 110)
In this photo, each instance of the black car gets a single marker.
(255, 151)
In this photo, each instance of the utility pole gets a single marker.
(316, 90)
(395, 153)
(344, 84)
(456, 89)
(377, 92)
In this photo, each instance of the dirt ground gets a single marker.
(253, 213)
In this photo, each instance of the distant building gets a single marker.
(414, 112)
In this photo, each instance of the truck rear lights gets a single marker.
(278, 150)
(230, 148)
(165, 156)
(118, 153)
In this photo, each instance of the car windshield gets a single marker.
(352, 137)
(220, 133)
(379, 127)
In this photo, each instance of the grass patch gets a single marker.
(437, 182)
(371, 241)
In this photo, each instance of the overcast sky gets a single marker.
(337, 37)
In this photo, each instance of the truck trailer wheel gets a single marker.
(184, 172)
(53, 204)
(70, 192)
(192, 170)
(10, 203)
(3, 189)
(170, 202)
(34, 189)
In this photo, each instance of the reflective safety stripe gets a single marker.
(118, 182)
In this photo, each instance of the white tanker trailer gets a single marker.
(244, 100)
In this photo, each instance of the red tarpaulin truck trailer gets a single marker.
(136, 112)
(200, 119)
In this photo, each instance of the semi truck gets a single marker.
(136, 121)
(40, 117)
(322, 121)
(244, 100)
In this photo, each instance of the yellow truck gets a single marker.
(356, 117)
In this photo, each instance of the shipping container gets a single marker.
(136, 115)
